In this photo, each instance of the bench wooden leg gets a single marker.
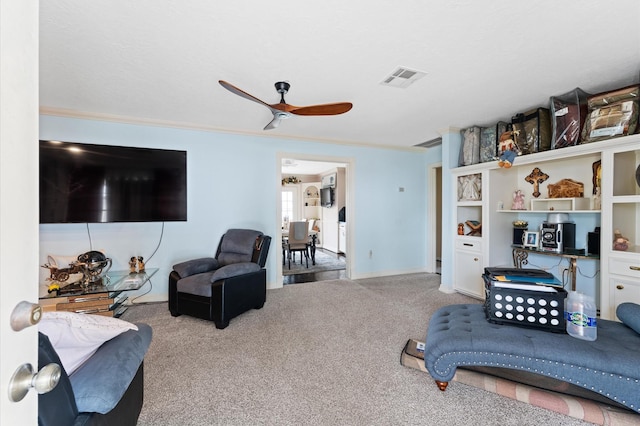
(442, 385)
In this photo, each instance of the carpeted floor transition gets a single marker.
(322, 353)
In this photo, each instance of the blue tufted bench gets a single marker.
(461, 336)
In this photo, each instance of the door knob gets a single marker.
(24, 379)
(24, 315)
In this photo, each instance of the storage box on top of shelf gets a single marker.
(612, 114)
(524, 297)
(568, 114)
(470, 146)
(489, 137)
(534, 130)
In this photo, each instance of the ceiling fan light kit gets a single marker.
(283, 110)
(277, 118)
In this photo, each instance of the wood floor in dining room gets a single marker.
(315, 276)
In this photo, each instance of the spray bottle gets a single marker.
(580, 314)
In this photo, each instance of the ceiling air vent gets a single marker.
(431, 143)
(402, 77)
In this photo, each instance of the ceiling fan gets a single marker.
(284, 110)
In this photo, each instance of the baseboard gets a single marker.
(446, 289)
(148, 298)
(380, 274)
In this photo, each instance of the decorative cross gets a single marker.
(536, 178)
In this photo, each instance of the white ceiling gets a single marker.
(158, 61)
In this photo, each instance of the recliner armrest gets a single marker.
(196, 266)
(98, 385)
(234, 270)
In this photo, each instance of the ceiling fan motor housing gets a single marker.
(282, 87)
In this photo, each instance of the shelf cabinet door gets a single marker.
(625, 290)
(620, 254)
(468, 273)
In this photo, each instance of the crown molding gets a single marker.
(82, 115)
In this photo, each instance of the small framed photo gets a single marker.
(530, 239)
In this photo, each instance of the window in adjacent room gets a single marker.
(287, 208)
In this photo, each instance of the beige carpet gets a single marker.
(323, 353)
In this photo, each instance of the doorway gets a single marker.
(434, 218)
(304, 175)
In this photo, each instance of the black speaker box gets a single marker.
(517, 235)
(593, 242)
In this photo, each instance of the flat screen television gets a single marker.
(85, 183)
(326, 197)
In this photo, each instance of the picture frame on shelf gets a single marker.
(530, 239)
(470, 187)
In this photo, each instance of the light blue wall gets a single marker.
(233, 182)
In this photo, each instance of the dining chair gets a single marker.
(298, 240)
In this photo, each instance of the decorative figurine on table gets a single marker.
(507, 149)
(133, 265)
(140, 264)
(53, 289)
(620, 242)
(62, 276)
(95, 266)
(518, 200)
(461, 229)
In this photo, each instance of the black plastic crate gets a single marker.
(527, 308)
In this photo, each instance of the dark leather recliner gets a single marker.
(108, 389)
(221, 288)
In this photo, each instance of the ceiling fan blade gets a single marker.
(273, 123)
(324, 109)
(233, 89)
